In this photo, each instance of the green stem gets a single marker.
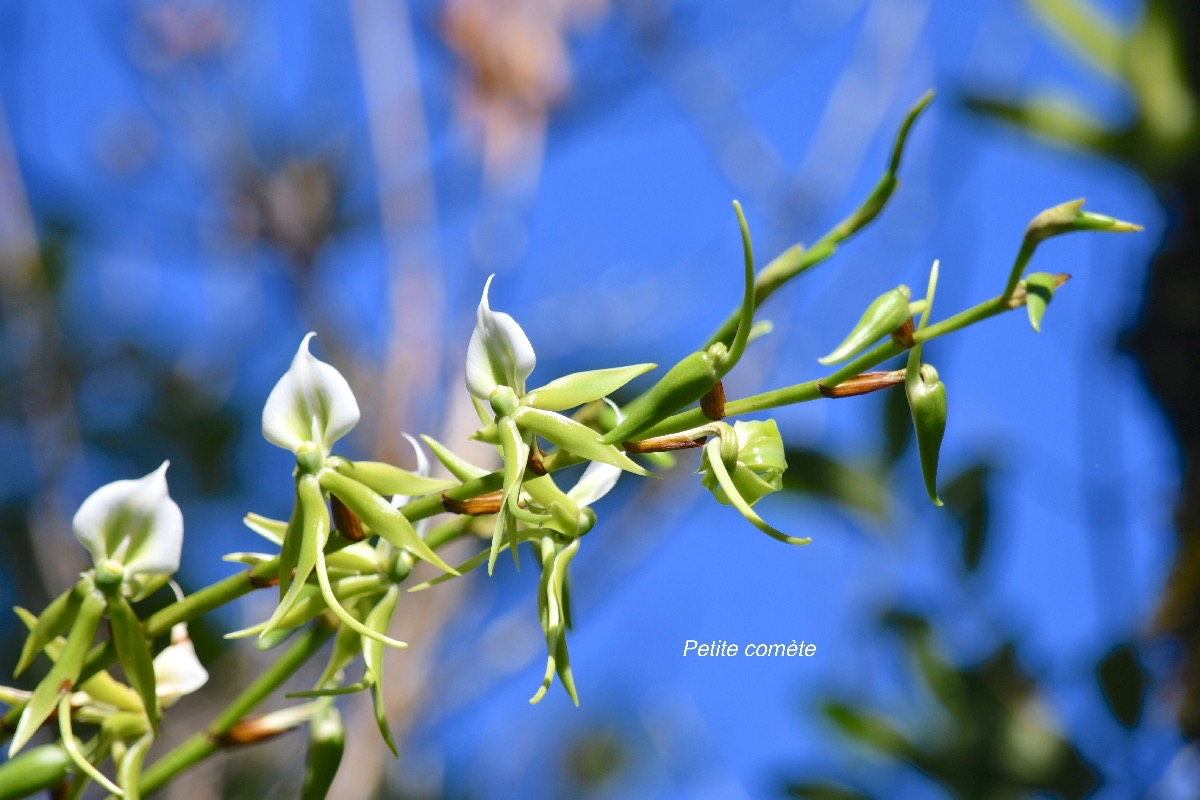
(796, 259)
(204, 744)
(811, 390)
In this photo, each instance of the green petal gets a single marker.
(387, 480)
(380, 516)
(578, 388)
(575, 438)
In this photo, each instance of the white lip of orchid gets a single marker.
(311, 403)
(177, 670)
(499, 353)
(134, 523)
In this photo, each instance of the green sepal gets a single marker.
(129, 769)
(712, 454)
(554, 616)
(514, 446)
(381, 720)
(100, 686)
(685, 383)
(927, 402)
(273, 530)
(40, 768)
(379, 515)
(385, 479)
(55, 620)
(1039, 291)
(575, 438)
(289, 550)
(310, 540)
(315, 506)
(741, 338)
(346, 646)
(61, 678)
(886, 313)
(326, 743)
(378, 620)
(133, 651)
(459, 467)
(578, 388)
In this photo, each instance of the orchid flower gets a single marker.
(134, 530)
(499, 360)
(310, 405)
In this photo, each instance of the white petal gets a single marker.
(499, 353)
(311, 403)
(177, 670)
(135, 522)
(422, 469)
(595, 482)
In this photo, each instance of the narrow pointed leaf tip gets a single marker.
(312, 402)
(499, 353)
(135, 523)
(1070, 217)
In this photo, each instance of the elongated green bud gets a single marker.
(684, 384)
(927, 402)
(326, 742)
(1070, 217)
(885, 314)
(40, 768)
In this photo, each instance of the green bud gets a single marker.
(40, 768)
(1070, 217)
(927, 402)
(766, 459)
(326, 742)
(759, 463)
(684, 384)
(1039, 291)
(886, 313)
(578, 388)
(388, 480)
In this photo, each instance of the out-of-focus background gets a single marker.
(188, 186)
